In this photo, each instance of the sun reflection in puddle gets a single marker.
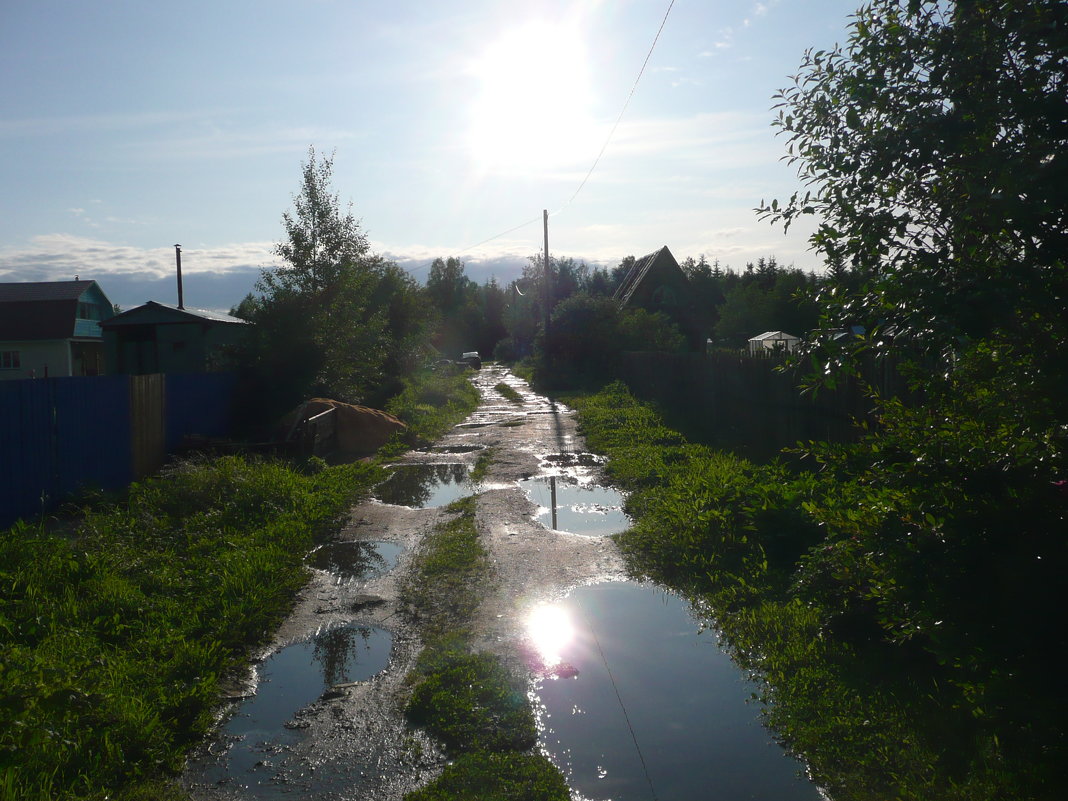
(551, 631)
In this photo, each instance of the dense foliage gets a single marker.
(934, 147)
(114, 635)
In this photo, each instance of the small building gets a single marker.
(656, 283)
(159, 338)
(773, 341)
(52, 329)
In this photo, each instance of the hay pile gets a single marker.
(359, 429)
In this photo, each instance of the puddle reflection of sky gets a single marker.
(259, 733)
(640, 671)
(425, 486)
(588, 509)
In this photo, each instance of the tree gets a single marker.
(334, 319)
(935, 151)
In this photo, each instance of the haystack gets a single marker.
(359, 429)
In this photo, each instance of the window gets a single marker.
(9, 360)
(88, 311)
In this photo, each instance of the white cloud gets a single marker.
(215, 277)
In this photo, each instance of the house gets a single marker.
(656, 283)
(773, 341)
(52, 328)
(159, 338)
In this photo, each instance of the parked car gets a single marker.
(472, 359)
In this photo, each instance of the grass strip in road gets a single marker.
(509, 393)
(469, 701)
(495, 777)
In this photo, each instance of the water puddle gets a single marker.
(255, 742)
(588, 509)
(356, 561)
(687, 704)
(423, 486)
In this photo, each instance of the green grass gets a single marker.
(449, 564)
(509, 393)
(496, 777)
(469, 701)
(430, 404)
(482, 465)
(113, 639)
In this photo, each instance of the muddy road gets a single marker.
(351, 741)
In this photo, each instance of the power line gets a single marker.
(622, 111)
(626, 717)
(596, 161)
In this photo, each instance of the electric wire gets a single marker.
(626, 717)
(596, 161)
(622, 111)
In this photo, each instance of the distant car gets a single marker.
(472, 359)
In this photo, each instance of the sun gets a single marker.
(551, 631)
(532, 109)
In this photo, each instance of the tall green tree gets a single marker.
(934, 149)
(333, 319)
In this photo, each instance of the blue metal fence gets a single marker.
(60, 435)
(198, 404)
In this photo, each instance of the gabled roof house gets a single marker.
(656, 283)
(160, 338)
(52, 328)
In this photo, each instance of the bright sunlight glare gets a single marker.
(551, 630)
(533, 107)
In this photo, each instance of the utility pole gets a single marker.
(548, 280)
(178, 260)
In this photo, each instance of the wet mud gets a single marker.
(348, 739)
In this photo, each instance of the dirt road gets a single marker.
(353, 742)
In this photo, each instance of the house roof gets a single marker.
(43, 290)
(155, 312)
(637, 273)
(773, 335)
(41, 310)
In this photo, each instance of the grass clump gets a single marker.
(482, 465)
(114, 637)
(496, 777)
(469, 701)
(451, 563)
(430, 404)
(509, 393)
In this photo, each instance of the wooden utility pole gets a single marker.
(548, 280)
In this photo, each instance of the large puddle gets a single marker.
(356, 561)
(565, 504)
(256, 740)
(638, 702)
(424, 486)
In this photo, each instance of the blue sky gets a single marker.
(127, 127)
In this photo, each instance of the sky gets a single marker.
(129, 126)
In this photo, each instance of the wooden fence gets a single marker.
(751, 405)
(62, 435)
